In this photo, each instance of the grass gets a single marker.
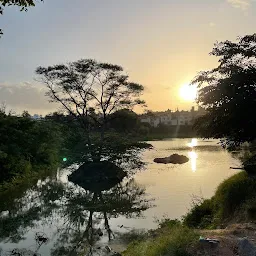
(173, 240)
(234, 200)
(201, 215)
(133, 235)
(233, 195)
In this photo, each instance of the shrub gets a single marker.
(232, 194)
(168, 223)
(170, 241)
(27, 146)
(201, 215)
(235, 199)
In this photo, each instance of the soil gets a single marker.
(229, 239)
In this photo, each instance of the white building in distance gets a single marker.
(36, 117)
(177, 118)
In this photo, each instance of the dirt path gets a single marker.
(229, 241)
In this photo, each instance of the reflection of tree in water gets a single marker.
(85, 213)
(40, 239)
(81, 216)
(21, 213)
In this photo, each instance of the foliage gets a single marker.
(169, 241)
(124, 121)
(232, 194)
(23, 4)
(166, 222)
(227, 93)
(234, 200)
(91, 91)
(27, 146)
(133, 235)
(200, 215)
(128, 122)
(86, 87)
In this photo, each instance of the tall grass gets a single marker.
(233, 194)
(234, 200)
(174, 241)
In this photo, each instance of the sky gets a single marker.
(161, 44)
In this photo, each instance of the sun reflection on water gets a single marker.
(193, 143)
(193, 156)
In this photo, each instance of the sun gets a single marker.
(188, 92)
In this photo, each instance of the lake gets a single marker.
(70, 218)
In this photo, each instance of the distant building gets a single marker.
(36, 117)
(177, 118)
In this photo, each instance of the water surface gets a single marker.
(72, 218)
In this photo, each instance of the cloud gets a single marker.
(242, 4)
(212, 24)
(26, 96)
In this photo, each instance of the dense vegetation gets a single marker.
(172, 239)
(234, 201)
(227, 93)
(27, 146)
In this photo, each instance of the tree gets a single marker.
(27, 146)
(23, 4)
(124, 120)
(90, 91)
(26, 114)
(228, 93)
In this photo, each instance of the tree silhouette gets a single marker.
(91, 91)
(228, 93)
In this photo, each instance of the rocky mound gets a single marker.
(172, 159)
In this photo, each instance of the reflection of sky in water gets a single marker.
(170, 185)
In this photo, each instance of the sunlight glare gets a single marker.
(193, 156)
(193, 143)
(188, 92)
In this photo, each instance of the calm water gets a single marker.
(71, 218)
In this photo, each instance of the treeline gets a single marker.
(126, 121)
(30, 146)
(27, 145)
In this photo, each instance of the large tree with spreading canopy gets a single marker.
(90, 91)
(228, 93)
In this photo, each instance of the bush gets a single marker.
(232, 195)
(173, 241)
(201, 215)
(235, 199)
(27, 146)
(168, 223)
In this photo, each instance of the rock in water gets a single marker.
(172, 159)
(246, 248)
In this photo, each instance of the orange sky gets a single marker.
(161, 44)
